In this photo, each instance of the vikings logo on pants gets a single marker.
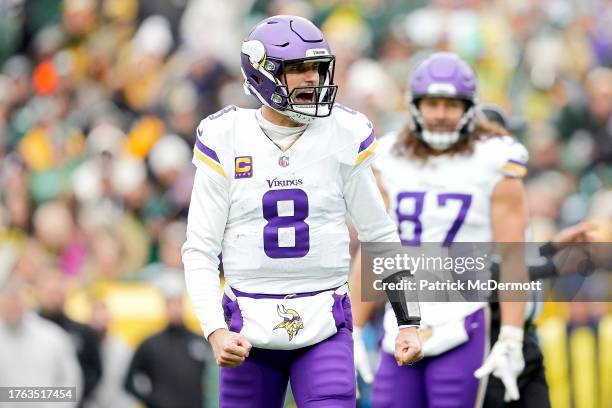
(292, 322)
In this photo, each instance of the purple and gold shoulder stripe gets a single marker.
(366, 148)
(515, 168)
(208, 156)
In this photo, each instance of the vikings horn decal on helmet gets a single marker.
(443, 75)
(281, 41)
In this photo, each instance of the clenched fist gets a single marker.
(230, 348)
(408, 348)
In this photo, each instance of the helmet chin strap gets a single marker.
(304, 114)
(297, 117)
(440, 140)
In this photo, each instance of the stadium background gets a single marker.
(99, 100)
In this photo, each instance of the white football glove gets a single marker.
(362, 364)
(506, 360)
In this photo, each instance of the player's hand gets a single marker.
(574, 234)
(362, 364)
(230, 348)
(575, 260)
(408, 349)
(506, 360)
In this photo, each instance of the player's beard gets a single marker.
(441, 136)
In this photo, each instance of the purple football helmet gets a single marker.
(443, 75)
(272, 46)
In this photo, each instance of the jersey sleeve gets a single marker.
(212, 136)
(511, 158)
(207, 217)
(367, 209)
(358, 132)
(384, 149)
(208, 212)
(502, 156)
(366, 152)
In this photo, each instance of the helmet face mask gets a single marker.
(309, 100)
(443, 75)
(288, 44)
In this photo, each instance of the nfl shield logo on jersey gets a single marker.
(283, 161)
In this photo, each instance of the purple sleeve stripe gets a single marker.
(520, 163)
(366, 143)
(207, 151)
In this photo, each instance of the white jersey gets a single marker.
(448, 198)
(279, 218)
(444, 200)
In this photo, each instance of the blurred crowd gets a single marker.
(99, 101)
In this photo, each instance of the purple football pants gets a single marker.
(443, 381)
(321, 375)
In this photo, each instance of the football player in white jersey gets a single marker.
(272, 191)
(448, 178)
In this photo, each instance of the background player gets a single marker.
(272, 190)
(450, 178)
